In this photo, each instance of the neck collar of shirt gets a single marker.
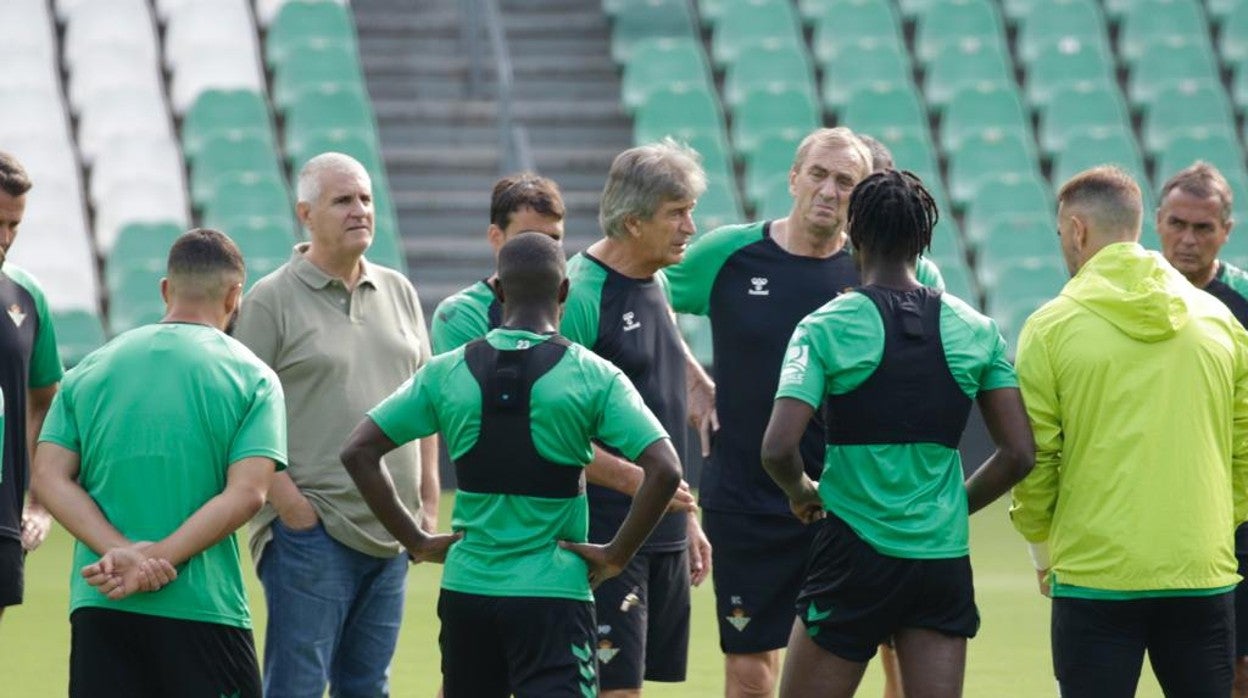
(315, 277)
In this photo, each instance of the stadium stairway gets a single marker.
(440, 141)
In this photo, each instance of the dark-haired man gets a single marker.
(30, 369)
(518, 409)
(160, 445)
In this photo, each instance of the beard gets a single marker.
(229, 326)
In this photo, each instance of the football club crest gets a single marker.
(16, 314)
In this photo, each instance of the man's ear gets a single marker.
(496, 237)
(563, 290)
(302, 210)
(164, 290)
(233, 298)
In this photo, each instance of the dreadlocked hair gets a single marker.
(892, 214)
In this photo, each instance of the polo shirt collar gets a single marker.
(313, 276)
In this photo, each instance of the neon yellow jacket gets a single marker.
(1136, 384)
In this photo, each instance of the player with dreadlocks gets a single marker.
(893, 366)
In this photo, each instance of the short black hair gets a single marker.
(892, 214)
(207, 258)
(13, 178)
(525, 190)
(531, 267)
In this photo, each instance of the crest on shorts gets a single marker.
(16, 314)
(606, 652)
(737, 618)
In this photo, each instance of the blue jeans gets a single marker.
(334, 616)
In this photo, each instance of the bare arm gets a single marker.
(701, 390)
(1015, 456)
(292, 507)
(362, 458)
(782, 458)
(430, 482)
(662, 475)
(54, 480)
(36, 520)
(611, 471)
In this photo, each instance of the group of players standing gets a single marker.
(833, 494)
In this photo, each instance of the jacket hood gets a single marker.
(1134, 289)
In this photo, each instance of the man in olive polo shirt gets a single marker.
(342, 334)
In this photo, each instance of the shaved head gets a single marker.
(531, 269)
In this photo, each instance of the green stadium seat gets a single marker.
(978, 108)
(1062, 19)
(1013, 314)
(230, 153)
(135, 300)
(714, 11)
(1190, 108)
(1017, 194)
(914, 9)
(697, 332)
(912, 150)
(714, 149)
(986, 157)
(358, 144)
(1013, 237)
(1067, 62)
(946, 247)
(970, 62)
(746, 22)
(679, 110)
(955, 21)
(1079, 106)
(301, 21)
(217, 111)
(248, 195)
(311, 64)
(770, 110)
(771, 161)
(1221, 10)
(867, 63)
(1144, 22)
(777, 202)
(266, 245)
(879, 107)
(768, 62)
(841, 24)
(958, 281)
(718, 205)
(1216, 148)
(140, 246)
(78, 333)
(649, 19)
(1233, 39)
(1239, 85)
(1172, 61)
(1101, 146)
(1020, 280)
(327, 108)
(660, 61)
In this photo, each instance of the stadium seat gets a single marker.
(678, 110)
(958, 281)
(95, 26)
(327, 108)
(311, 65)
(768, 62)
(26, 28)
(697, 332)
(842, 24)
(770, 110)
(1239, 85)
(749, 21)
(976, 109)
(776, 203)
(1100, 146)
(772, 160)
(1216, 148)
(266, 10)
(228, 154)
(135, 157)
(198, 27)
(1027, 278)
(912, 150)
(110, 69)
(1233, 39)
(1017, 194)
(1183, 109)
(1171, 61)
(985, 157)
(866, 63)
(360, 146)
(649, 19)
(879, 107)
(1146, 21)
(1076, 107)
(135, 300)
(661, 61)
(299, 21)
(143, 200)
(224, 70)
(1012, 312)
(78, 333)
(1011, 236)
(216, 111)
(119, 113)
(1220, 10)
(718, 205)
(1080, 20)
(946, 242)
(969, 62)
(248, 195)
(1068, 62)
(714, 11)
(954, 22)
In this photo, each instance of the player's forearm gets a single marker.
(76, 511)
(662, 475)
(1003, 469)
(212, 522)
(613, 472)
(373, 480)
(430, 478)
(38, 402)
(784, 465)
(284, 494)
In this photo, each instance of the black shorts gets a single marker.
(760, 564)
(12, 571)
(497, 646)
(117, 653)
(643, 622)
(1241, 608)
(855, 598)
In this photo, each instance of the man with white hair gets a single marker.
(342, 334)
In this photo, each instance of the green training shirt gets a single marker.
(463, 317)
(906, 500)
(510, 546)
(157, 417)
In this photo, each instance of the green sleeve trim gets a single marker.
(1235, 277)
(929, 274)
(45, 357)
(691, 280)
(461, 318)
(584, 304)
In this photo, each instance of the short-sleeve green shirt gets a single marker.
(157, 417)
(510, 541)
(461, 318)
(907, 500)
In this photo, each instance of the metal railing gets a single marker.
(513, 138)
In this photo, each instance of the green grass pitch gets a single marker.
(1009, 658)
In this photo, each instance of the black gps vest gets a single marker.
(911, 397)
(504, 459)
